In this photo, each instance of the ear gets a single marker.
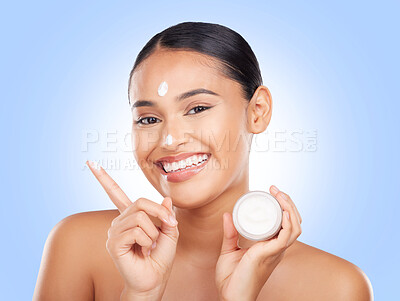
(259, 110)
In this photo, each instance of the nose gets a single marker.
(173, 136)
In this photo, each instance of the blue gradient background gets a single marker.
(331, 68)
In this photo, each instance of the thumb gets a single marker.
(231, 236)
(171, 231)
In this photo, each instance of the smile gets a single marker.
(182, 170)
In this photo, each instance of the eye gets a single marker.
(203, 108)
(149, 120)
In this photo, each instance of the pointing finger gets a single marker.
(117, 196)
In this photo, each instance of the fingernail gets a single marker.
(274, 189)
(148, 252)
(284, 196)
(287, 215)
(169, 203)
(153, 245)
(94, 164)
(173, 220)
(172, 209)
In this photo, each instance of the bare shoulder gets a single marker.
(86, 233)
(69, 254)
(86, 220)
(318, 275)
(84, 229)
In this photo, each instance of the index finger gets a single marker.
(117, 196)
(274, 191)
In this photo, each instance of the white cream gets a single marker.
(257, 215)
(162, 88)
(168, 140)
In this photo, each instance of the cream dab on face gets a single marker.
(257, 215)
(168, 140)
(162, 88)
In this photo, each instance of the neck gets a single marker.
(201, 229)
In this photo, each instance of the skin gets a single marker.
(202, 257)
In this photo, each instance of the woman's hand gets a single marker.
(142, 252)
(242, 273)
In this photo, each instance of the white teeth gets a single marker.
(188, 162)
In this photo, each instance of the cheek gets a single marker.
(226, 135)
(229, 142)
(144, 140)
(142, 143)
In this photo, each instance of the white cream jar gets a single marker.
(257, 215)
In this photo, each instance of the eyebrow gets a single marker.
(149, 103)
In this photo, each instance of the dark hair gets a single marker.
(238, 62)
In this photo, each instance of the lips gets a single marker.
(179, 157)
(182, 175)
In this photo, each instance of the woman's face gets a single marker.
(219, 131)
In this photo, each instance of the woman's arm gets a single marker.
(64, 272)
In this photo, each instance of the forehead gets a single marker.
(182, 70)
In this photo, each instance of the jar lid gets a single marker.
(257, 215)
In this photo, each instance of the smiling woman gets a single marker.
(197, 99)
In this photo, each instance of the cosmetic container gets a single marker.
(257, 215)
